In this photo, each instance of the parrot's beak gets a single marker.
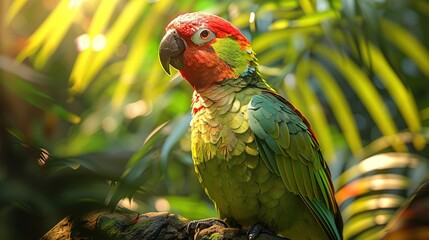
(171, 51)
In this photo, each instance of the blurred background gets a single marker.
(89, 119)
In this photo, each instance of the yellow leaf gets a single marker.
(57, 33)
(101, 18)
(365, 90)
(138, 51)
(307, 6)
(48, 35)
(314, 111)
(339, 105)
(114, 37)
(407, 43)
(402, 97)
(310, 20)
(13, 10)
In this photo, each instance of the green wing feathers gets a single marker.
(289, 148)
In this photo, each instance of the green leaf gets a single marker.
(310, 20)
(365, 90)
(141, 169)
(265, 43)
(314, 111)
(403, 99)
(290, 86)
(155, 136)
(180, 126)
(338, 103)
(274, 56)
(64, 114)
(35, 97)
(134, 178)
(407, 43)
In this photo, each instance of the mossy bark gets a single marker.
(148, 226)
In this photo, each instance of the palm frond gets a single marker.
(374, 189)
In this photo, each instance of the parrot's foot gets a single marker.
(197, 225)
(257, 229)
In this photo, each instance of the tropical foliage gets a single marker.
(89, 117)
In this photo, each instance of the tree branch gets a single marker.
(152, 225)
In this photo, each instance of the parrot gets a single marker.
(254, 153)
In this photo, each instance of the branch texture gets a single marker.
(148, 226)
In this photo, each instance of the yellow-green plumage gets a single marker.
(230, 168)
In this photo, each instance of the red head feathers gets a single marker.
(194, 45)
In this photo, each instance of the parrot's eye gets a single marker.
(202, 36)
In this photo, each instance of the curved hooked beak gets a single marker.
(171, 51)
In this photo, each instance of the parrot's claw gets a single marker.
(257, 229)
(197, 225)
